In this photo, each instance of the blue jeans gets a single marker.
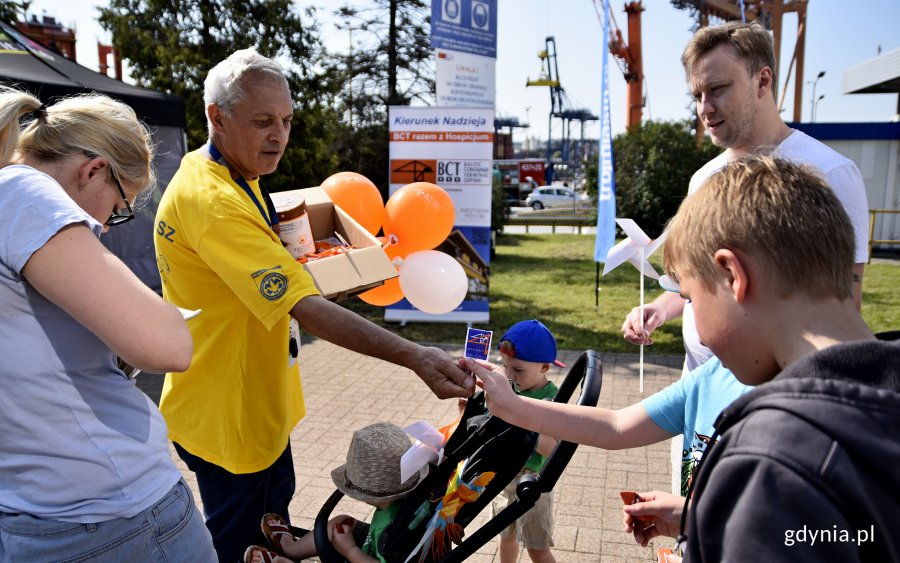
(235, 503)
(170, 530)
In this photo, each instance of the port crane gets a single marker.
(560, 107)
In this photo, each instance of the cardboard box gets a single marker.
(361, 269)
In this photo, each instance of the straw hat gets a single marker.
(372, 471)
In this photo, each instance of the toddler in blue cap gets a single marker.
(527, 350)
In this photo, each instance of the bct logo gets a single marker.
(450, 11)
(448, 171)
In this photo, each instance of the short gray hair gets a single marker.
(223, 83)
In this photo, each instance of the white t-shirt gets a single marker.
(841, 174)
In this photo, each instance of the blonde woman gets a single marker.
(85, 471)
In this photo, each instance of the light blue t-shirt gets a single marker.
(80, 442)
(690, 406)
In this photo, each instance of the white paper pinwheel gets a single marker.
(635, 248)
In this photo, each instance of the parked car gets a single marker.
(556, 196)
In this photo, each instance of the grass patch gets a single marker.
(551, 277)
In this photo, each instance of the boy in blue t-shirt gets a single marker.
(688, 406)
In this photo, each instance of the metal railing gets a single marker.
(872, 240)
(578, 216)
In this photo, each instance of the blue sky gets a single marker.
(840, 35)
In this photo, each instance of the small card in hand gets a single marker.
(478, 343)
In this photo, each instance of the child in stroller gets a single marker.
(371, 475)
(482, 456)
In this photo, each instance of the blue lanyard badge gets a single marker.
(271, 218)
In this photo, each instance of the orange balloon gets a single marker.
(421, 215)
(390, 292)
(358, 196)
(383, 295)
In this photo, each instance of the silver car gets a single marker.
(556, 196)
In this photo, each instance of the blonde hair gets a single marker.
(13, 105)
(94, 124)
(783, 215)
(751, 41)
(223, 85)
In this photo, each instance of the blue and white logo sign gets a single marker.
(481, 15)
(468, 26)
(450, 11)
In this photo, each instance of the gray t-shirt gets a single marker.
(80, 442)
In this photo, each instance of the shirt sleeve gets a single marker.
(847, 183)
(666, 407)
(35, 208)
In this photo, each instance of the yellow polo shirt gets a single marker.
(240, 399)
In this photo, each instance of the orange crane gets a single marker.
(630, 60)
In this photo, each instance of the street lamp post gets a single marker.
(816, 105)
(527, 128)
(813, 101)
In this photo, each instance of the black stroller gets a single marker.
(483, 455)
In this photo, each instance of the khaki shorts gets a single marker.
(534, 529)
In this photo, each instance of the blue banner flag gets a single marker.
(606, 181)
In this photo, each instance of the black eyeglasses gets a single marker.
(118, 217)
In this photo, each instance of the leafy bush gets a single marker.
(653, 167)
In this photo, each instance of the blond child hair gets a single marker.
(783, 215)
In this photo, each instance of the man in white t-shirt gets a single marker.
(730, 72)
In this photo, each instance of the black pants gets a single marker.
(234, 504)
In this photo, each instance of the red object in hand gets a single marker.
(348, 521)
(631, 497)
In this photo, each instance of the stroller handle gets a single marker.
(587, 371)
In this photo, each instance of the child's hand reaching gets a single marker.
(502, 401)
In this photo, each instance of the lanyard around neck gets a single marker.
(271, 218)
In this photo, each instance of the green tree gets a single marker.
(653, 167)
(388, 62)
(10, 11)
(170, 46)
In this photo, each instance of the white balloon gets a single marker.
(434, 282)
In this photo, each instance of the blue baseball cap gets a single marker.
(533, 342)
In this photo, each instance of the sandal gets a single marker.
(267, 555)
(273, 532)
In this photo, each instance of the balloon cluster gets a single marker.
(416, 218)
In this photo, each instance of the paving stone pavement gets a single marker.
(345, 391)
